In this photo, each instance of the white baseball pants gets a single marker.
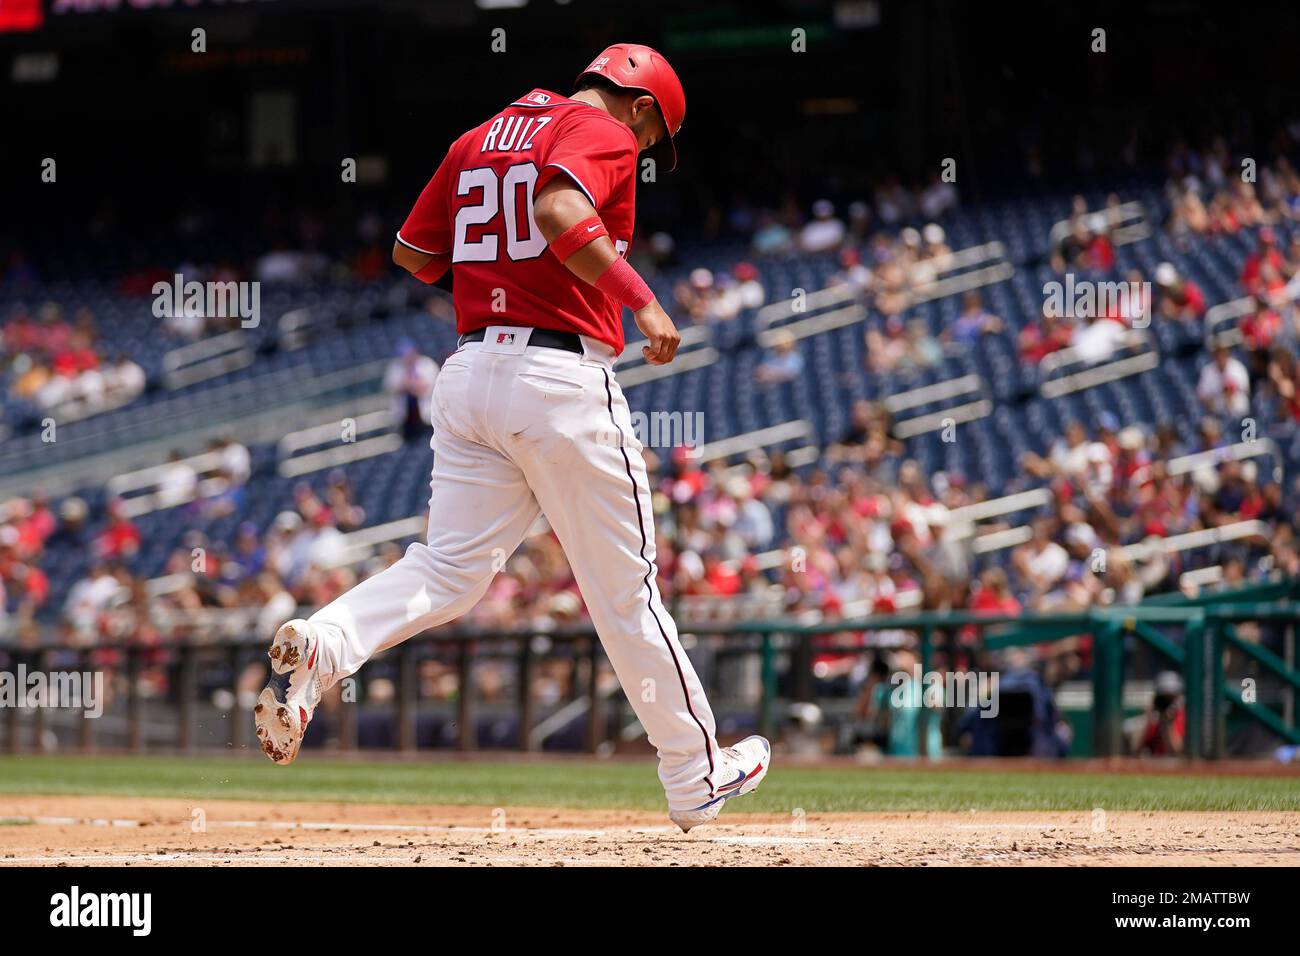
(520, 431)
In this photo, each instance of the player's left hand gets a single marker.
(658, 328)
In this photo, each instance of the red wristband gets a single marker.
(621, 283)
(434, 268)
(577, 236)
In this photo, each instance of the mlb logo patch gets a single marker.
(541, 99)
(598, 64)
(506, 339)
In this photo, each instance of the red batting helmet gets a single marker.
(636, 67)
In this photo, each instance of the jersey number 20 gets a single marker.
(499, 195)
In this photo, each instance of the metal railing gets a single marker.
(1194, 635)
(1126, 223)
(1090, 374)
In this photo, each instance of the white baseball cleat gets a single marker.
(285, 706)
(743, 767)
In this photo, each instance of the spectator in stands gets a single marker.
(1188, 216)
(1291, 266)
(1041, 562)
(696, 297)
(824, 232)
(277, 603)
(1096, 338)
(938, 198)
(248, 555)
(347, 515)
(865, 420)
(1260, 329)
(859, 222)
(1037, 341)
(772, 236)
(1179, 298)
(892, 285)
(973, 322)
(934, 242)
(1223, 218)
(234, 457)
(753, 523)
(28, 379)
(281, 264)
(178, 483)
(1224, 386)
(120, 539)
(124, 381)
(1244, 205)
(922, 350)
(91, 597)
(1099, 254)
(887, 349)
(749, 285)
(897, 703)
(851, 271)
(1027, 723)
(1069, 456)
(24, 588)
(727, 301)
(1209, 435)
(993, 594)
(409, 380)
(1266, 253)
(784, 363)
(1162, 730)
(893, 203)
(1283, 380)
(286, 546)
(53, 334)
(31, 521)
(1135, 310)
(1077, 245)
(870, 729)
(222, 496)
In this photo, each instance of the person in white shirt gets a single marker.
(938, 198)
(124, 381)
(824, 232)
(235, 459)
(1041, 561)
(1224, 387)
(409, 380)
(178, 482)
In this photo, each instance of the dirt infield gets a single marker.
(81, 831)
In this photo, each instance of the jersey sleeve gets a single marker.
(428, 226)
(597, 154)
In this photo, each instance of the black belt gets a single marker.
(546, 338)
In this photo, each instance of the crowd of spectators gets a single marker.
(864, 530)
(26, 525)
(884, 264)
(58, 366)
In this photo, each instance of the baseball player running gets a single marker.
(533, 213)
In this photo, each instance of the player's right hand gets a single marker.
(658, 328)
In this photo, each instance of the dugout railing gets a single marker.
(1235, 650)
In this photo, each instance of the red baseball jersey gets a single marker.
(479, 207)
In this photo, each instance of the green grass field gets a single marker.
(632, 785)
